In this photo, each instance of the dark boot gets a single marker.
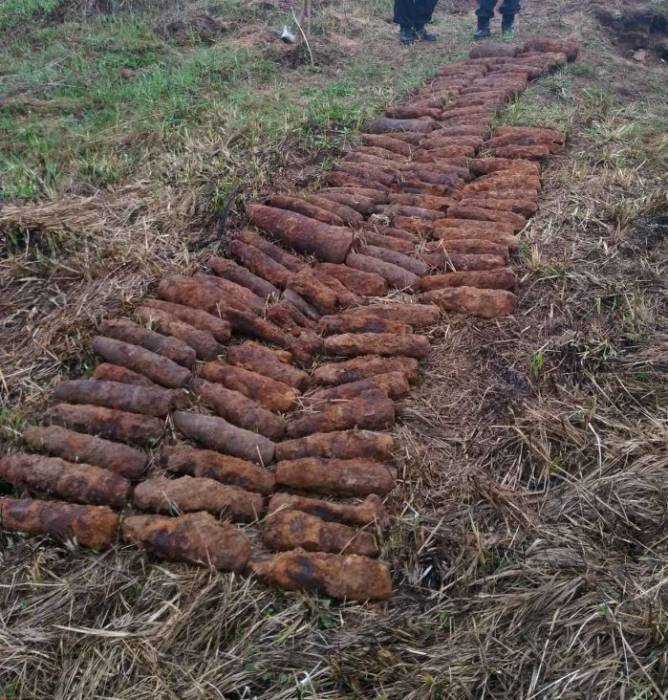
(406, 36)
(483, 29)
(423, 35)
(508, 24)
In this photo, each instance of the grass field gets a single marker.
(529, 550)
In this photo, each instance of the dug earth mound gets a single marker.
(639, 29)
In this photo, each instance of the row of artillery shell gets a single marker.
(201, 539)
(329, 451)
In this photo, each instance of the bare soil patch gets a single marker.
(637, 28)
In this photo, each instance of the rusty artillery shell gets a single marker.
(531, 152)
(353, 344)
(105, 371)
(523, 207)
(81, 483)
(395, 276)
(336, 477)
(271, 363)
(327, 243)
(203, 321)
(517, 221)
(393, 384)
(233, 294)
(206, 347)
(454, 150)
(343, 444)
(90, 526)
(108, 423)
(386, 125)
(129, 332)
(370, 511)
(418, 227)
(349, 577)
(371, 410)
(416, 315)
(569, 48)
(493, 49)
(242, 276)
(126, 461)
(197, 538)
(467, 232)
(486, 166)
(291, 529)
(299, 310)
(348, 215)
(189, 494)
(479, 229)
(199, 293)
(308, 285)
(339, 180)
(274, 251)
(386, 166)
(486, 303)
(217, 434)
(389, 242)
(372, 170)
(501, 278)
(542, 133)
(387, 142)
(426, 201)
(246, 323)
(470, 262)
(182, 459)
(358, 203)
(412, 112)
(260, 264)
(412, 138)
(157, 368)
(436, 253)
(240, 410)
(357, 368)
(288, 317)
(273, 395)
(504, 180)
(302, 206)
(151, 401)
(407, 262)
(360, 323)
(296, 308)
(378, 196)
(358, 282)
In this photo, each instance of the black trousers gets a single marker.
(486, 8)
(413, 13)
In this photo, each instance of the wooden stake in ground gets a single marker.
(304, 26)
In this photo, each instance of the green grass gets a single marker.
(14, 12)
(93, 103)
(97, 92)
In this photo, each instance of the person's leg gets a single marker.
(485, 13)
(509, 7)
(485, 9)
(404, 14)
(508, 10)
(424, 10)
